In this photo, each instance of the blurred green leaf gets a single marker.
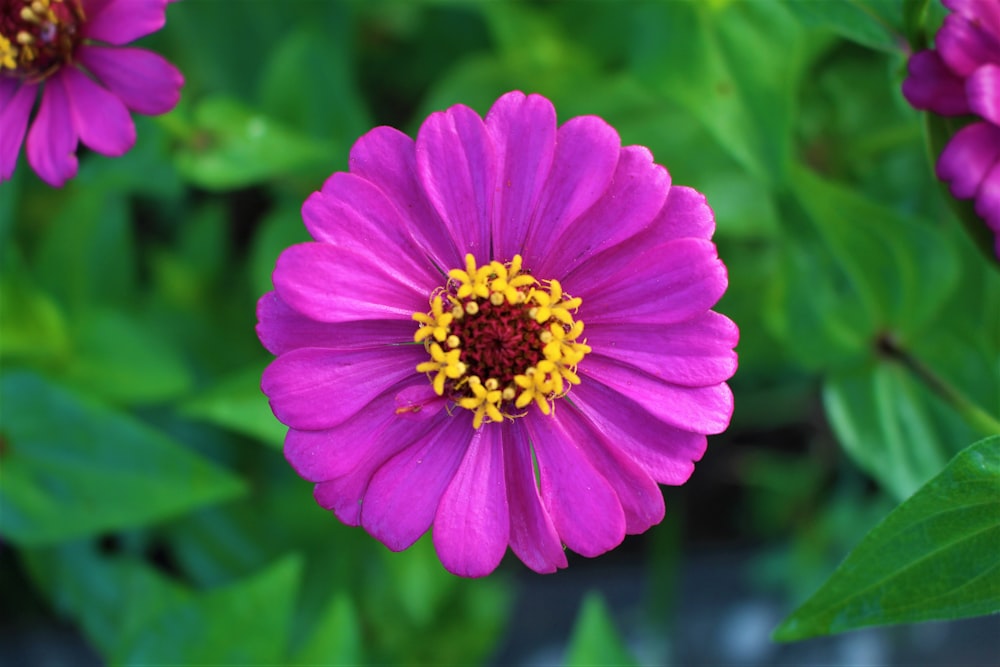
(242, 624)
(718, 62)
(880, 417)
(73, 467)
(336, 639)
(237, 403)
(234, 146)
(868, 22)
(123, 360)
(595, 640)
(280, 229)
(32, 326)
(934, 557)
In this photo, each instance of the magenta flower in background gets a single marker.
(960, 76)
(502, 330)
(72, 52)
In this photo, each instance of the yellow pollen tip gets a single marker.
(24, 38)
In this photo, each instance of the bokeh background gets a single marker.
(146, 512)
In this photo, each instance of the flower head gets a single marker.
(502, 330)
(72, 52)
(960, 76)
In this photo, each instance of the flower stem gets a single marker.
(974, 415)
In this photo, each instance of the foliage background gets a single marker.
(146, 507)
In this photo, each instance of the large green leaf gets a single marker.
(934, 557)
(873, 23)
(241, 624)
(72, 467)
(595, 640)
(336, 639)
(237, 403)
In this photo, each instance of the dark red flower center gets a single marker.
(37, 37)
(500, 340)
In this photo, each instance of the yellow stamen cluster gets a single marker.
(500, 340)
(38, 36)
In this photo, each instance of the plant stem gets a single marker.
(974, 415)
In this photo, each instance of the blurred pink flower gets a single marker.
(961, 75)
(432, 362)
(72, 51)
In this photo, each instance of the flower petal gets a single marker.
(983, 88)
(533, 537)
(640, 497)
(587, 152)
(693, 353)
(699, 409)
(632, 200)
(472, 523)
(123, 21)
(968, 157)
(985, 13)
(315, 388)
(52, 139)
(352, 213)
(282, 329)
(932, 86)
(457, 167)
(376, 431)
(144, 81)
(523, 129)
(100, 119)
(988, 199)
(387, 158)
(668, 283)
(405, 493)
(686, 214)
(16, 101)
(332, 284)
(665, 452)
(965, 45)
(584, 508)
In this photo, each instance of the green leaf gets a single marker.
(595, 640)
(124, 361)
(242, 624)
(880, 417)
(237, 403)
(336, 639)
(934, 557)
(72, 467)
(233, 146)
(32, 326)
(866, 22)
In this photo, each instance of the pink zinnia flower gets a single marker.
(432, 360)
(71, 51)
(961, 75)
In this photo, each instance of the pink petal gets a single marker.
(313, 388)
(584, 508)
(665, 452)
(932, 86)
(52, 139)
(668, 283)
(387, 158)
(986, 13)
(122, 21)
(640, 497)
(969, 156)
(405, 493)
(472, 524)
(144, 81)
(587, 152)
(457, 167)
(523, 129)
(354, 214)
(698, 409)
(282, 329)
(374, 433)
(100, 119)
(16, 101)
(983, 88)
(693, 353)
(965, 45)
(686, 214)
(635, 195)
(988, 199)
(332, 284)
(533, 538)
